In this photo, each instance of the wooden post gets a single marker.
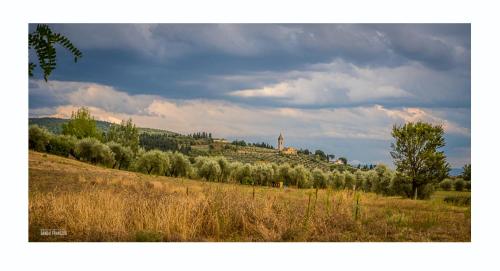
(253, 191)
(357, 208)
(315, 200)
(416, 193)
(309, 205)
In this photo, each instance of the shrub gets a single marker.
(458, 200)
(402, 185)
(153, 162)
(38, 138)
(468, 186)
(319, 178)
(123, 155)
(148, 236)
(446, 184)
(425, 191)
(93, 151)
(459, 185)
(62, 145)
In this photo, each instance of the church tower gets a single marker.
(280, 142)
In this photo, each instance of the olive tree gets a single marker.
(337, 179)
(371, 180)
(123, 155)
(285, 174)
(38, 138)
(153, 162)
(319, 178)
(243, 173)
(383, 180)
(210, 170)
(446, 184)
(225, 170)
(62, 145)
(349, 180)
(263, 174)
(179, 165)
(95, 152)
(301, 177)
(359, 178)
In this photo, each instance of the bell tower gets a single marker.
(280, 142)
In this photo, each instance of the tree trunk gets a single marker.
(414, 190)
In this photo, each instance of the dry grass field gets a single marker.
(92, 203)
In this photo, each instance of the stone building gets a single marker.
(280, 142)
(282, 148)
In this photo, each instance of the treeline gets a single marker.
(201, 135)
(163, 142)
(249, 144)
(365, 167)
(262, 145)
(457, 184)
(321, 155)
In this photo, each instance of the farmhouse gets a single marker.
(220, 140)
(285, 150)
(338, 162)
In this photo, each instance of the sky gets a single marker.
(335, 87)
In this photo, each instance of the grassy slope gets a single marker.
(97, 204)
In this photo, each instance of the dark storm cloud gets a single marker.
(185, 61)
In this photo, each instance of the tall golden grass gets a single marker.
(96, 204)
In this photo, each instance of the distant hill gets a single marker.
(455, 171)
(54, 125)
